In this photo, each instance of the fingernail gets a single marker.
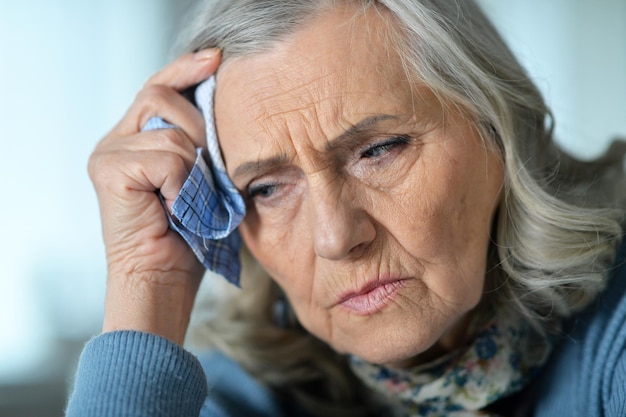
(206, 54)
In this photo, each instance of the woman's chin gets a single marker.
(410, 343)
(386, 352)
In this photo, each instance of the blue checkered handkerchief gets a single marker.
(208, 208)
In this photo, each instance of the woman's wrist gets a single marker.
(154, 302)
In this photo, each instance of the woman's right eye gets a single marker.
(261, 190)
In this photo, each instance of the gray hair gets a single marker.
(559, 223)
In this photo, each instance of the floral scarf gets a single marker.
(503, 356)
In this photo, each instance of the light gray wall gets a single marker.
(69, 69)
(576, 52)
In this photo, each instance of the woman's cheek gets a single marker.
(271, 242)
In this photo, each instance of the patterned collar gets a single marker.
(501, 359)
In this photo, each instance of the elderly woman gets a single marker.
(413, 241)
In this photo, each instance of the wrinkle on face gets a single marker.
(422, 212)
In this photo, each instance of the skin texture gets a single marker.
(152, 276)
(406, 199)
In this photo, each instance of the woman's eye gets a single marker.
(261, 190)
(382, 148)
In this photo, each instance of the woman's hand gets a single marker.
(153, 276)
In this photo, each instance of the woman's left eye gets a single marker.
(379, 149)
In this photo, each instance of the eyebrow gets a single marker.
(348, 139)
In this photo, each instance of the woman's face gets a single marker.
(368, 202)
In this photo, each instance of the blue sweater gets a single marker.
(586, 375)
(129, 373)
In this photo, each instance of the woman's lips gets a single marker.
(372, 297)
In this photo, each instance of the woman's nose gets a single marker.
(340, 226)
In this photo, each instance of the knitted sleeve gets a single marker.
(128, 373)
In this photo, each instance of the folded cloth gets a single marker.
(208, 208)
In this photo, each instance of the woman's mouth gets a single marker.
(372, 298)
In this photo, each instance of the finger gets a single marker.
(187, 70)
(184, 72)
(174, 141)
(166, 103)
(122, 174)
(167, 176)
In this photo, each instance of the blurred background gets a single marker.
(68, 71)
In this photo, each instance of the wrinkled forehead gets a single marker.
(341, 46)
(338, 69)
